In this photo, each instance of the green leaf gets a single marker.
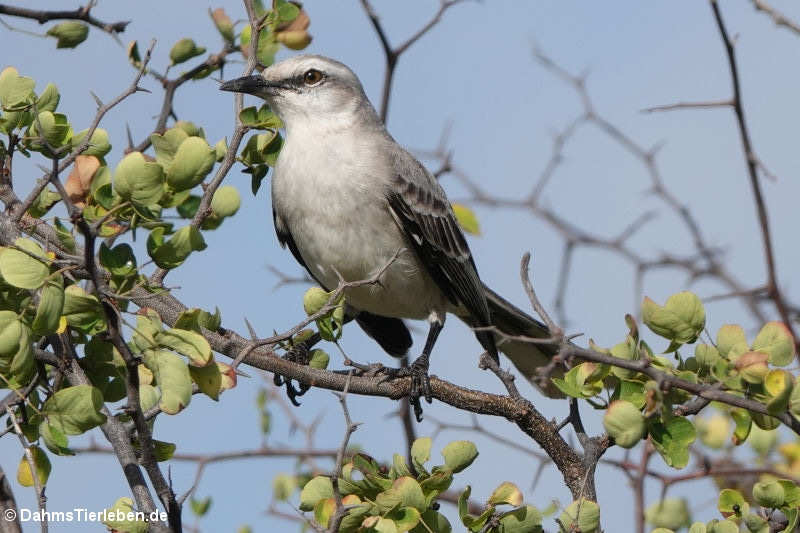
(261, 118)
(722, 526)
(319, 488)
(399, 467)
(46, 200)
(16, 92)
(324, 510)
(98, 144)
(173, 379)
(672, 438)
(54, 439)
(195, 319)
(200, 507)
(166, 145)
(40, 462)
(421, 452)
(48, 100)
(706, 356)
(266, 49)
(69, 34)
(672, 513)
(506, 493)
(208, 379)
(262, 148)
(779, 385)
(730, 336)
(120, 260)
(681, 319)
(436, 522)
(10, 333)
(743, 421)
(221, 148)
(581, 515)
(192, 162)
(24, 269)
(775, 340)
(51, 305)
(319, 359)
(526, 519)
(191, 344)
(405, 518)
(624, 423)
(54, 128)
(64, 236)
(409, 492)
(118, 518)
(769, 494)
(184, 50)
(75, 410)
(83, 311)
(731, 502)
(173, 252)
(466, 219)
(459, 454)
(283, 485)
(226, 201)
(139, 180)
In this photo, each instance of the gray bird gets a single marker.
(346, 199)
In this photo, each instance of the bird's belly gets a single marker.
(357, 242)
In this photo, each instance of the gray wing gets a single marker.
(423, 213)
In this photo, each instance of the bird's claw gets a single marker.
(420, 383)
(299, 353)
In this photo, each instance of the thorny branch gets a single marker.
(81, 13)
(773, 286)
(393, 54)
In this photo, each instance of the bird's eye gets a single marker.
(312, 77)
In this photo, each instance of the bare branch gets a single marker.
(773, 286)
(82, 13)
(777, 17)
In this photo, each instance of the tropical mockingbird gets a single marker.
(346, 199)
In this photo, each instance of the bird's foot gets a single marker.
(420, 383)
(301, 354)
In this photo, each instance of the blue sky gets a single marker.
(476, 72)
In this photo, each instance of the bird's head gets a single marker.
(306, 88)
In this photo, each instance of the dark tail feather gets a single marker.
(526, 357)
(391, 333)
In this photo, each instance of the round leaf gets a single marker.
(624, 423)
(22, 268)
(459, 454)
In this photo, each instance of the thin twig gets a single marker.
(773, 286)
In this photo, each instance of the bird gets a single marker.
(349, 202)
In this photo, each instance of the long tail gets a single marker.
(526, 357)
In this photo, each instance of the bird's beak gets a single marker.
(247, 84)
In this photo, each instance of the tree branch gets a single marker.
(773, 287)
(81, 13)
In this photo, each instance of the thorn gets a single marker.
(96, 99)
(250, 329)
(130, 136)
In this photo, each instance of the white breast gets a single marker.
(330, 195)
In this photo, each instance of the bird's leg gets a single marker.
(299, 353)
(420, 381)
